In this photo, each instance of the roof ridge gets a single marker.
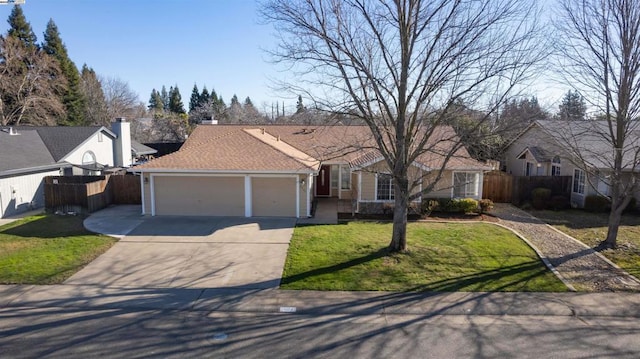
(283, 147)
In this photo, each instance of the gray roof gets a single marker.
(138, 149)
(590, 142)
(60, 140)
(24, 151)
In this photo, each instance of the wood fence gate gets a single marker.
(497, 186)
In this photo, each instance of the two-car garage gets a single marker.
(225, 195)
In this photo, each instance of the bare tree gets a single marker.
(28, 91)
(600, 47)
(121, 100)
(399, 66)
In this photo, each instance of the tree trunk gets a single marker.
(615, 217)
(399, 236)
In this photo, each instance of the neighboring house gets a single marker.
(570, 148)
(236, 170)
(28, 154)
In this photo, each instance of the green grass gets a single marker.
(591, 229)
(47, 249)
(441, 257)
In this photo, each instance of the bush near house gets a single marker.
(485, 205)
(450, 205)
(540, 198)
(596, 204)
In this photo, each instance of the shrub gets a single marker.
(540, 197)
(559, 203)
(595, 203)
(429, 205)
(465, 205)
(631, 206)
(485, 205)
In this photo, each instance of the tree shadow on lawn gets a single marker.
(579, 219)
(48, 226)
(480, 281)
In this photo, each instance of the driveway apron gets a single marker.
(194, 252)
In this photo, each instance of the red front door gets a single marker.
(323, 182)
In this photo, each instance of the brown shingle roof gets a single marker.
(300, 149)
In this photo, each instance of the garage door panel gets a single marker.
(273, 197)
(199, 196)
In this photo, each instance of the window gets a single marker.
(384, 189)
(345, 177)
(555, 166)
(465, 184)
(578, 181)
(99, 136)
(528, 169)
(88, 160)
(334, 176)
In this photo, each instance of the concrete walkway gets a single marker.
(577, 264)
(326, 212)
(16, 217)
(321, 303)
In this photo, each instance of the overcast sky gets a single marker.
(150, 43)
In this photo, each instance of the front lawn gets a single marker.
(47, 249)
(441, 257)
(591, 229)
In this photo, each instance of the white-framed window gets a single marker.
(334, 176)
(88, 159)
(466, 184)
(529, 169)
(555, 166)
(578, 181)
(345, 177)
(384, 187)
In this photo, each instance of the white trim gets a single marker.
(239, 174)
(339, 181)
(219, 172)
(297, 196)
(248, 205)
(477, 183)
(375, 187)
(381, 158)
(142, 190)
(309, 186)
(359, 191)
(153, 194)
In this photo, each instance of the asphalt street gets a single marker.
(125, 333)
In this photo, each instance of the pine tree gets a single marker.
(299, 105)
(20, 28)
(573, 107)
(164, 95)
(194, 101)
(95, 109)
(72, 98)
(155, 102)
(175, 101)
(204, 96)
(247, 102)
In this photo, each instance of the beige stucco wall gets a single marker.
(273, 197)
(368, 181)
(535, 137)
(199, 196)
(443, 188)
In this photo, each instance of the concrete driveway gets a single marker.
(187, 252)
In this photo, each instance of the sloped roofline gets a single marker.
(102, 128)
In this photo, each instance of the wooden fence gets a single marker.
(90, 193)
(497, 186)
(501, 187)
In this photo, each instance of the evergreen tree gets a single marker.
(204, 96)
(155, 102)
(573, 107)
(95, 109)
(175, 101)
(194, 101)
(20, 28)
(72, 98)
(247, 102)
(299, 105)
(164, 95)
(234, 100)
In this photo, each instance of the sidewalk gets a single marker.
(576, 263)
(321, 303)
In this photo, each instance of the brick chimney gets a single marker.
(122, 151)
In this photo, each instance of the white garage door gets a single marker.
(199, 196)
(273, 197)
